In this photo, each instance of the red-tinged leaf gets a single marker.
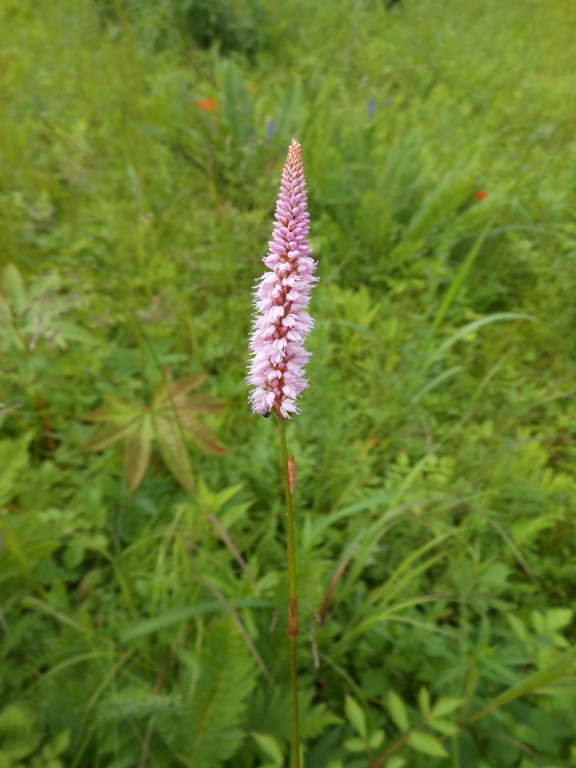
(205, 437)
(207, 440)
(108, 436)
(187, 384)
(174, 452)
(118, 411)
(184, 417)
(137, 452)
(169, 390)
(203, 404)
(202, 435)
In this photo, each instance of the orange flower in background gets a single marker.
(480, 194)
(208, 105)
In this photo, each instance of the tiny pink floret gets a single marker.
(281, 296)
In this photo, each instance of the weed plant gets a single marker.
(142, 583)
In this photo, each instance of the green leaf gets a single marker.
(9, 336)
(427, 744)
(315, 719)
(73, 332)
(216, 500)
(533, 682)
(395, 762)
(206, 726)
(46, 286)
(445, 705)
(326, 521)
(60, 743)
(178, 615)
(13, 460)
(435, 382)
(355, 745)
(445, 727)
(13, 286)
(557, 618)
(376, 739)
(459, 278)
(446, 196)
(472, 327)
(270, 746)
(518, 627)
(19, 733)
(398, 711)
(356, 716)
(424, 701)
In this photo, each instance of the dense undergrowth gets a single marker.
(142, 565)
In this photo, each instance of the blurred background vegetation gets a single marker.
(142, 550)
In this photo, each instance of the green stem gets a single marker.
(293, 611)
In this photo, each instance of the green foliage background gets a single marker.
(436, 444)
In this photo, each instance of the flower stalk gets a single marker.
(292, 597)
(276, 371)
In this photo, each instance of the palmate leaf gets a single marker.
(118, 411)
(203, 404)
(203, 436)
(169, 391)
(170, 437)
(170, 420)
(137, 452)
(110, 435)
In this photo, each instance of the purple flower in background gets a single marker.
(269, 128)
(281, 323)
(371, 109)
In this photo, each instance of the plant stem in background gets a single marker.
(293, 599)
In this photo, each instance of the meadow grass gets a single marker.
(140, 148)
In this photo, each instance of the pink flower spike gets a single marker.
(280, 298)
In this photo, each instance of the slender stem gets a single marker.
(293, 613)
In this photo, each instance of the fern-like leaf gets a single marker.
(207, 728)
